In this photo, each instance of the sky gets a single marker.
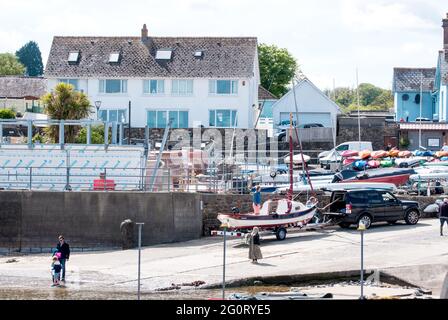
(330, 39)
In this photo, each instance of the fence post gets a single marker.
(30, 134)
(61, 133)
(31, 177)
(89, 139)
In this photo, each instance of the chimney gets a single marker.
(145, 32)
(445, 32)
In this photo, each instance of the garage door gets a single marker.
(308, 117)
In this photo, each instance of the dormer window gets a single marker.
(199, 54)
(114, 57)
(164, 54)
(73, 57)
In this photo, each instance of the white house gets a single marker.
(312, 104)
(194, 81)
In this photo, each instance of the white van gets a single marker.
(334, 155)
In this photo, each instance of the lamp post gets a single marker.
(140, 225)
(362, 228)
(97, 105)
(225, 226)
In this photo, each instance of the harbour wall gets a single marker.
(32, 220)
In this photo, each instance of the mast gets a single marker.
(421, 105)
(291, 180)
(357, 97)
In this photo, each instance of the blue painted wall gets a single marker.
(411, 109)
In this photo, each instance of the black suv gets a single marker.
(372, 205)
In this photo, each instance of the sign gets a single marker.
(433, 142)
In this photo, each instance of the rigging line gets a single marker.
(304, 165)
(264, 101)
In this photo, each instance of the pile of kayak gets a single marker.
(386, 159)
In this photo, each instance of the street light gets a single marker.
(97, 105)
(362, 228)
(225, 226)
(140, 225)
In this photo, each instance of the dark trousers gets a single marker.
(62, 261)
(442, 222)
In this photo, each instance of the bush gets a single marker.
(96, 135)
(404, 142)
(7, 114)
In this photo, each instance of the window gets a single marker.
(153, 86)
(160, 118)
(113, 86)
(358, 198)
(417, 99)
(198, 54)
(182, 87)
(73, 82)
(73, 56)
(223, 86)
(388, 198)
(114, 57)
(113, 115)
(163, 54)
(223, 118)
(374, 198)
(405, 97)
(343, 147)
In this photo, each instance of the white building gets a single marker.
(312, 104)
(210, 82)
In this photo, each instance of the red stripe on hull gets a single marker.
(398, 180)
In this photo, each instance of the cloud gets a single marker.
(383, 16)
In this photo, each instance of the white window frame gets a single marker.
(213, 87)
(167, 111)
(232, 124)
(123, 86)
(114, 109)
(178, 92)
(159, 92)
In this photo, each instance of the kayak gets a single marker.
(441, 154)
(349, 153)
(387, 163)
(394, 153)
(360, 165)
(348, 161)
(365, 154)
(374, 164)
(379, 154)
(405, 154)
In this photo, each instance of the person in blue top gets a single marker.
(256, 200)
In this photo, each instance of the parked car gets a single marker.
(281, 135)
(370, 206)
(334, 155)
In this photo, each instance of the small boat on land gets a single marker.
(397, 176)
(365, 154)
(287, 213)
(297, 159)
(349, 153)
(379, 154)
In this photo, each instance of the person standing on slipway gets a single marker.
(64, 248)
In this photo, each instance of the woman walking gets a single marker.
(254, 247)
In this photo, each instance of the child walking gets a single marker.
(56, 271)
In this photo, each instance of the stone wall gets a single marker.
(372, 129)
(31, 219)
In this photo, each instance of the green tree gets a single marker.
(10, 65)
(7, 114)
(277, 68)
(64, 103)
(29, 55)
(344, 97)
(368, 93)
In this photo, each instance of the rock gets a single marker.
(127, 234)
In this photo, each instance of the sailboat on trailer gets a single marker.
(274, 214)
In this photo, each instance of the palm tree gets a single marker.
(64, 103)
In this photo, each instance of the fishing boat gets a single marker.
(397, 176)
